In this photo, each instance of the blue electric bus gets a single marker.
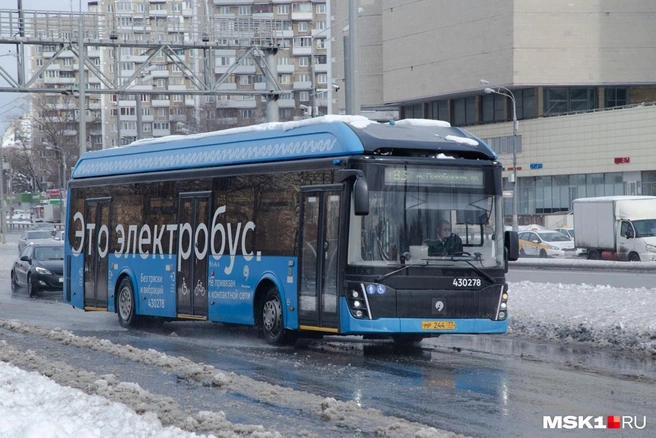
(315, 227)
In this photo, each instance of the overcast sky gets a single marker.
(9, 101)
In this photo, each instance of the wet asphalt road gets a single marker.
(473, 385)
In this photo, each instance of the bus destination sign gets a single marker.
(426, 176)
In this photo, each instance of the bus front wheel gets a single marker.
(273, 326)
(125, 304)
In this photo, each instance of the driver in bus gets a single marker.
(447, 243)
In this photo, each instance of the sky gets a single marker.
(30, 404)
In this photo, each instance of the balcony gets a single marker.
(301, 51)
(301, 16)
(241, 104)
(160, 103)
(161, 132)
(285, 69)
(303, 85)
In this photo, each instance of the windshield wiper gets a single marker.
(382, 277)
(481, 272)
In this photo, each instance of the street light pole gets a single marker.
(315, 109)
(496, 89)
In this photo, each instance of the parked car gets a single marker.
(33, 236)
(59, 235)
(40, 266)
(545, 243)
(569, 232)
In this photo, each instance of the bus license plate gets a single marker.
(438, 325)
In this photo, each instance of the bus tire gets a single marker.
(273, 327)
(125, 304)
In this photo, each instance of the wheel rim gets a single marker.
(272, 317)
(125, 304)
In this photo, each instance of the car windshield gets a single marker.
(48, 253)
(39, 235)
(553, 237)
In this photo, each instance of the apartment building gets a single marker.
(161, 61)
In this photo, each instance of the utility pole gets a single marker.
(353, 82)
(82, 131)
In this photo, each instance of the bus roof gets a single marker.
(327, 136)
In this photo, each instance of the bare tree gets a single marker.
(55, 131)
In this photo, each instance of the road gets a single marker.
(471, 385)
(614, 274)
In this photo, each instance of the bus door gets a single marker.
(318, 259)
(193, 254)
(96, 212)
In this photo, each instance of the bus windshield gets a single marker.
(428, 223)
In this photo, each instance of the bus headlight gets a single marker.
(357, 300)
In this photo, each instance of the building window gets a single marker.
(413, 111)
(244, 10)
(285, 79)
(246, 113)
(439, 110)
(304, 96)
(615, 96)
(464, 111)
(224, 10)
(320, 8)
(302, 7)
(526, 103)
(322, 78)
(493, 108)
(562, 100)
(283, 9)
(303, 61)
(302, 42)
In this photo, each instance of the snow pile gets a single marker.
(622, 318)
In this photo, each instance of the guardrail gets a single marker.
(577, 264)
(13, 226)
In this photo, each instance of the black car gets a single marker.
(40, 266)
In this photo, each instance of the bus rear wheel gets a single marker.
(126, 305)
(273, 326)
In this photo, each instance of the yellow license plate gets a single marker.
(438, 325)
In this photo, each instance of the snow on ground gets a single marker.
(30, 404)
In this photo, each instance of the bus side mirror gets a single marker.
(511, 243)
(360, 190)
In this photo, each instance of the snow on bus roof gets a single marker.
(359, 122)
(423, 122)
(461, 140)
